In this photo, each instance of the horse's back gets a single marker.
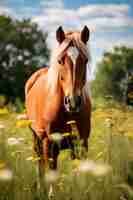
(34, 77)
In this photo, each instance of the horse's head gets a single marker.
(72, 59)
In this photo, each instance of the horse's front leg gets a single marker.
(45, 147)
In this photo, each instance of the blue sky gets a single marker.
(110, 22)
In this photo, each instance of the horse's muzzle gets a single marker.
(72, 104)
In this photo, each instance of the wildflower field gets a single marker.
(106, 174)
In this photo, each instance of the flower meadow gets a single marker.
(106, 173)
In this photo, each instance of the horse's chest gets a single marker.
(60, 123)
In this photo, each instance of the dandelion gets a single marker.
(6, 174)
(32, 158)
(3, 111)
(99, 155)
(2, 164)
(71, 122)
(108, 122)
(23, 123)
(75, 163)
(13, 141)
(66, 134)
(51, 176)
(129, 134)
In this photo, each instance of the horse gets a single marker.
(57, 94)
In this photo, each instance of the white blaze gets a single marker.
(73, 53)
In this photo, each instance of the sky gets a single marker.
(110, 22)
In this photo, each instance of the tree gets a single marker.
(23, 50)
(111, 74)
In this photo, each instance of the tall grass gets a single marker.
(106, 174)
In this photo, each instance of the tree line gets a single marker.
(112, 71)
(23, 50)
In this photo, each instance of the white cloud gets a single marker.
(52, 4)
(6, 11)
(114, 10)
(108, 43)
(108, 23)
(105, 17)
(96, 16)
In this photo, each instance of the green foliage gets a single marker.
(22, 50)
(111, 73)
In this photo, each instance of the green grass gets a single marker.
(106, 175)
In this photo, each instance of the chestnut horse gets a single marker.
(58, 94)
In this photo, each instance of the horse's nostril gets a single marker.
(72, 103)
(78, 100)
(66, 99)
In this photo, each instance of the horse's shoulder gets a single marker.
(34, 77)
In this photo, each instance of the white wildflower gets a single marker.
(101, 169)
(96, 169)
(4, 64)
(21, 139)
(20, 57)
(51, 192)
(108, 122)
(26, 53)
(21, 117)
(2, 126)
(8, 47)
(56, 137)
(26, 62)
(86, 166)
(13, 141)
(51, 176)
(6, 174)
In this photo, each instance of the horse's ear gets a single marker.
(85, 33)
(60, 35)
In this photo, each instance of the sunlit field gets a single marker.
(106, 173)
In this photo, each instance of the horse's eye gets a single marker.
(86, 60)
(61, 78)
(60, 62)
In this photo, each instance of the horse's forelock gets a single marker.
(61, 49)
